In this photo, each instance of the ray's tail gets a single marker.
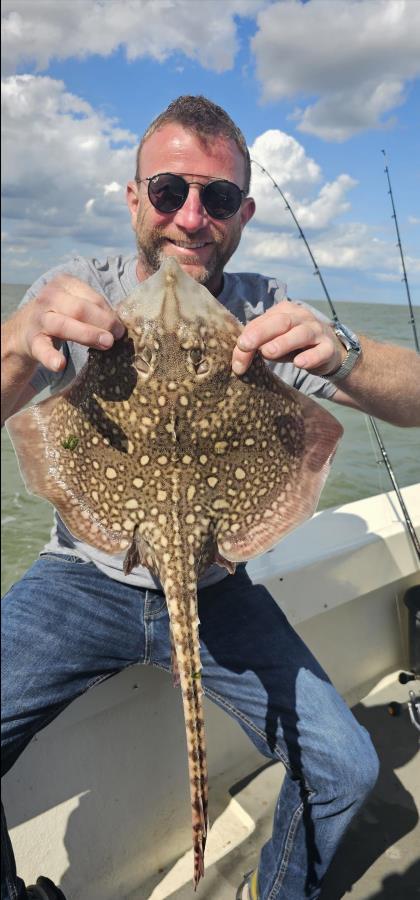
(182, 606)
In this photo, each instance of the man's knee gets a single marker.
(13, 741)
(335, 752)
(354, 766)
(366, 764)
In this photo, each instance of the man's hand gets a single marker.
(385, 382)
(290, 333)
(66, 309)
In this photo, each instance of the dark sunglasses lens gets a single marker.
(221, 199)
(167, 192)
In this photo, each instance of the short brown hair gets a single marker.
(205, 119)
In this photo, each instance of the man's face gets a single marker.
(201, 244)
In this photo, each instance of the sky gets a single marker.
(319, 89)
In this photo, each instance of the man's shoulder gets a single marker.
(255, 281)
(248, 294)
(114, 276)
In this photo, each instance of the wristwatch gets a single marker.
(352, 344)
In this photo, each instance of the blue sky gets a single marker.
(318, 88)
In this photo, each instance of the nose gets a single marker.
(192, 216)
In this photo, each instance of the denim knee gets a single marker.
(355, 767)
(367, 765)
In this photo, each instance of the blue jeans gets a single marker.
(67, 627)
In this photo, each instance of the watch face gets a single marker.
(347, 337)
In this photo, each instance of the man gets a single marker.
(198, 217)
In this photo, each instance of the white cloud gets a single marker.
(350, 247)
(412, 265)
(355, 57)
(286, 157)
(112, 188)
(62, 184)
(387, 277)
(38, 32)
(343, 113)
(298, 176)
(346, 63)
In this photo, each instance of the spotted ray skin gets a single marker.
(159, 452)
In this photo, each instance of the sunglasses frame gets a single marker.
(188, 185)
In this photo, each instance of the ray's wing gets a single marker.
(75, 450)
(278, 471)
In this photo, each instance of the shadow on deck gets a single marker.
(379, 858)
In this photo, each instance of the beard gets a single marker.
(151, 250)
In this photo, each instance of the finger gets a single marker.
(78, 300)
(76, 288)
(44, 352)
(72, 307)
(262, 330)
(316, 358)
(282, 347)
(241, 361)
(57, 325)
(298, 338)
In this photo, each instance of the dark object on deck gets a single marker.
(412, 602)
(44, 889)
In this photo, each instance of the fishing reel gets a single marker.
(413, 702)
(412, 602)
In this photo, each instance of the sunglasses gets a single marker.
(167, 193)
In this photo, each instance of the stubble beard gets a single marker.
(151, 252)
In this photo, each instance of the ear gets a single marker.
(133, 200)
(247, 210)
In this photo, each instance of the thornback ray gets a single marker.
(159, 452)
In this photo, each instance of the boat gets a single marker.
(99, 800)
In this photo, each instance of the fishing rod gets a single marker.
(385, 457)
(386, 460)
(399, 245)
(300, 230)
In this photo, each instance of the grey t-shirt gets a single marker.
(245, 295)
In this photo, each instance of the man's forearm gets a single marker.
(385, 383)
(16, 371)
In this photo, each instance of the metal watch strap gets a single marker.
(346, 367)
(352, 345)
